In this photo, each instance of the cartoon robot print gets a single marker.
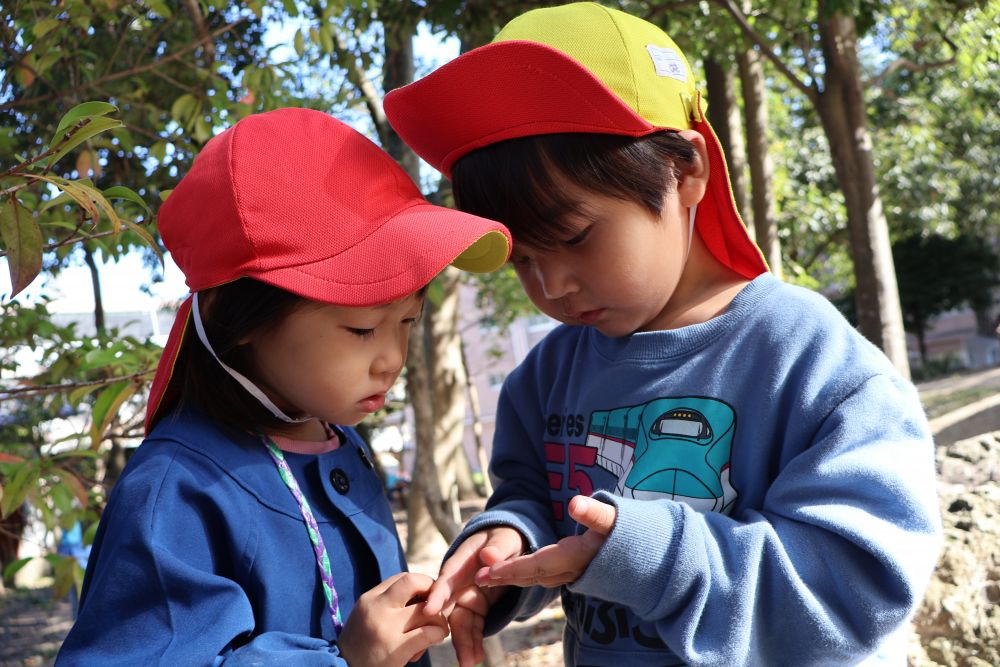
(677, 448)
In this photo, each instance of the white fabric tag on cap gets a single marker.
(667, 62)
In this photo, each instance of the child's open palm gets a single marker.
(560, 563)
(386, 628)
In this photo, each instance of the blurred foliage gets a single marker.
(937, 273)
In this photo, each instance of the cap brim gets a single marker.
(502, 91)
(398, 258)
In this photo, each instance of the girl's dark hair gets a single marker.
(517, 181)
(231, 313)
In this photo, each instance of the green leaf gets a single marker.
(94, 126)
(106, 408)
(300, 46)
(158, 151)
(73, 484)
(73, 190)
(81, 111)
(47, 61)
(326, 39)
(165, 193)
(183, 108)
(44, 26)
(160, 7)
(121, 192)
(202, 130)
(23, 240)
(63, 571)
(435, 291)
(24, 479)
(88, 535)
(144, 234)
(15, 567)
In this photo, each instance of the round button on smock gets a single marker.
(339, 480)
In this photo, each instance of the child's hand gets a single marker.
(559, 563)
(484, 548)
(467, 620)
(384, 629)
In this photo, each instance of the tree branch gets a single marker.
(53, 388)
(903, 63)
(767, 49)
(138, 69)
(357, 75)
(73, 239)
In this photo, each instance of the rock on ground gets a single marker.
(959, 620)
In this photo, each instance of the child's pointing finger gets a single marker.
(593, 514)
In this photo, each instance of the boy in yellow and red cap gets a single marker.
(762, 478)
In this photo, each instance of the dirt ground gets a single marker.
(958, 624)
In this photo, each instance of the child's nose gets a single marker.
(390, 359)
(556, 279)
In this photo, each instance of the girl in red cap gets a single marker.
(710, 467)
(250, 526)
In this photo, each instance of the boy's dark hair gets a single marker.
(231, 313)
(517, 181)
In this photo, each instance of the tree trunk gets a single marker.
(724, 115)
(438, 406)
(95, 280)
(477, 426)
(841, 109)
(761, 170)
(448, 382)
(426, 508)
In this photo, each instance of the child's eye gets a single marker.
(362, 333)
(578, 239)
(520, 260)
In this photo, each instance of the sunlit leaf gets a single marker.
(81, 111)
(88, 535)
(93, 126)
(160, 7)
(74, 484)
(44, 26)
(184, 107)
(15, 566)
(106, 408)
(23, 240)
(22, 482)
(121, 192)
(145, 236)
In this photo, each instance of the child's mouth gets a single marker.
(372, 403)
(590, 316)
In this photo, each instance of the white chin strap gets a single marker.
(239, 377)
(691, 213)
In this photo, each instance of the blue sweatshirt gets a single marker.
(773, 477)
(202, 556)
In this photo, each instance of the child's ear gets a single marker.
(693, 183)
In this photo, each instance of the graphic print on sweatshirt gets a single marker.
(676, 448)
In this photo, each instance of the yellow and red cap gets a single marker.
(582, 68)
